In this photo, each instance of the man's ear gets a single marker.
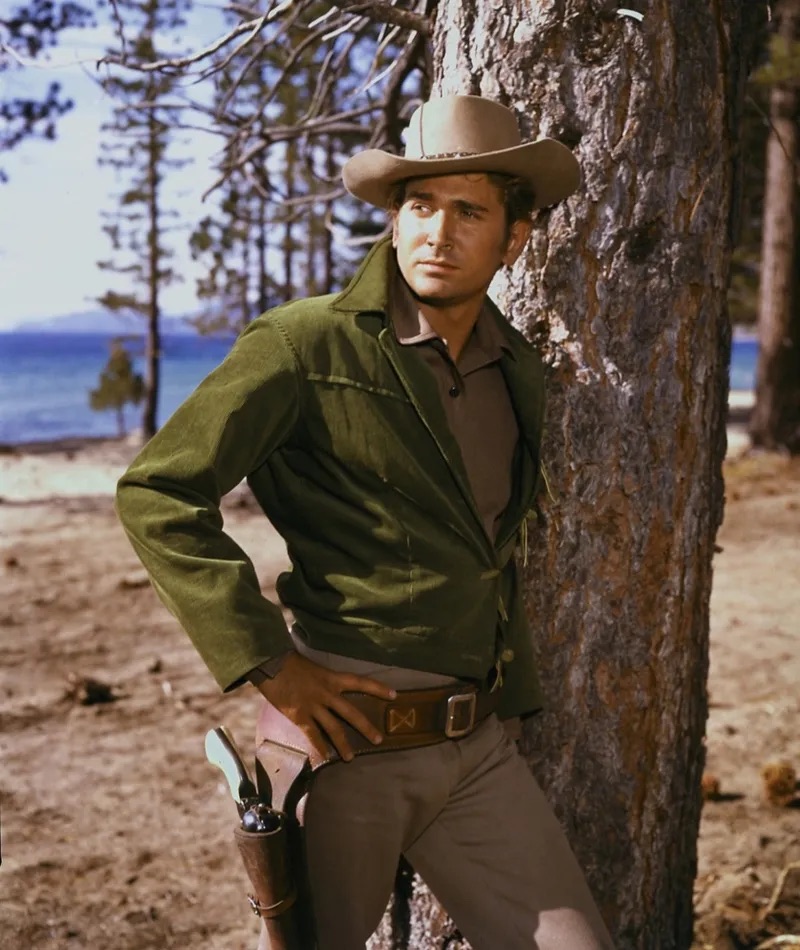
(517, 239)
(394, 228)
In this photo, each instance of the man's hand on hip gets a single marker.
(311, 697)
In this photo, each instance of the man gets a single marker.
(391, 433)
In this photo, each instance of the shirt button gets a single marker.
(507, 655)
(454, 391)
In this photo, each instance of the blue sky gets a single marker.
(50, 225)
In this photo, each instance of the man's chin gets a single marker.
(434, 298)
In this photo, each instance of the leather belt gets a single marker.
(419, 717)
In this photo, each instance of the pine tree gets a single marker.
(29, 29)
(119, 385)
(138, 140)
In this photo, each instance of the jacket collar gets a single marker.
(368, 291)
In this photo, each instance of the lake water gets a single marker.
(45, 380)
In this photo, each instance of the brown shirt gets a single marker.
(474, 396)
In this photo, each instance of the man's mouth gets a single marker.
(438, 265)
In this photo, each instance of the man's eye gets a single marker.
(419, 206)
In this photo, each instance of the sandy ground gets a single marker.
(117, 833)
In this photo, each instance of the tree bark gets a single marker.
(775, 423)
(623, 288)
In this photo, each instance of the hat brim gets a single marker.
(549, 166)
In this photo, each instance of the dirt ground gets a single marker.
(117, 833)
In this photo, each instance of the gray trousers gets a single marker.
(472, 821)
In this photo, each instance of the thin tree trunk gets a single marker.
(244, 279)
(153, 345)
(775, 423)
(624, 291)
(327, 235)
(261, 245)
(288, 237)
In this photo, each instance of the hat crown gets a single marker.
(460, 125)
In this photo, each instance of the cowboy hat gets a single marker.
(459, 134)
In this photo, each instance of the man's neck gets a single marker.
(453, 324)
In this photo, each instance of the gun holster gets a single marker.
(266, 857)
(273, 858)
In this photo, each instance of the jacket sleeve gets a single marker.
(169, 502)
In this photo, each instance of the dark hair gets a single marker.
(517, 194)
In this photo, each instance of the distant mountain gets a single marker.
(101, 321)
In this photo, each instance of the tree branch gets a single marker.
(254, 27)
(380, 12)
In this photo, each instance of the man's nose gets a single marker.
(439, 230)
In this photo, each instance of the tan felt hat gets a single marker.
(459, 134)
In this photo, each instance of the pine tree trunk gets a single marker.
(288, 235)
(261, 246)
(244, 280)
(775, 423)
(153, 345)
(328, 278)
(624, 290)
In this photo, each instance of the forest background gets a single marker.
(290, 90)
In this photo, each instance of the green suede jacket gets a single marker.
(341, 435)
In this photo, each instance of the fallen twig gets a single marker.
(776, 896)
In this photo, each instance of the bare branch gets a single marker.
(119, 28)
(341, 124)
(184, 61)
(311, 199)
(776, 894)
(222, 64)
(321, 19)
(380, 12)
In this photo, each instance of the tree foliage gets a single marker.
(119, 385)
(25, 32)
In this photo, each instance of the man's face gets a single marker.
(451, 237)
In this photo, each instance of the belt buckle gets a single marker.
(454, 710)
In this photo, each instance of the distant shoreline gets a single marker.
(66, 444)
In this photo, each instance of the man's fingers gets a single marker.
(351, 683)
(335, 732)
(355, 718)
(316, 737)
